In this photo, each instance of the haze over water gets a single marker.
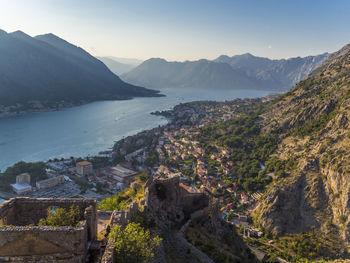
(89, 129)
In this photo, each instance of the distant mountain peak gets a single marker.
(52, 37)
(248, 55)
(156, 60)
(20, 34)
(222, 57)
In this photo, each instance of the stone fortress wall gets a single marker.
(22, 241)
(167, 202)
(170, 202)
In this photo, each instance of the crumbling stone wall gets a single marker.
(43, 244)
(169, 202)
(109, 254)
(22, 241)
(23, 211)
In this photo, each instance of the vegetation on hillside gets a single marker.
(121, 200)
(219, 249)
(36, 170)
(312, 121)
(133, 244)
(249, 148)
(300, 248)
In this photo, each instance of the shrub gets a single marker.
(61, 217)
(133, 244)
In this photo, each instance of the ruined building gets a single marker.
(170, 206)
(21, 240)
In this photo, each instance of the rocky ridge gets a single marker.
(313, 126)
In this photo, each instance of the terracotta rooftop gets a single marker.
(83, 163)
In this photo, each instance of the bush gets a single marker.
(61, 217)
(133, 244)
(121, 200)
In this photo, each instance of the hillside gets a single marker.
(50, 70)
(237, 72)
(312, 192)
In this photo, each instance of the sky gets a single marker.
(186, 29)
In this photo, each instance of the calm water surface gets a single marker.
(89, 129)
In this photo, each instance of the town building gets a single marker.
(122, 174)
(22, 185)
(51, 182)
(84, 168)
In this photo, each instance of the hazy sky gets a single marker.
(186, 29)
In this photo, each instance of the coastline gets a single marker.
(147, 124)
(7, 113)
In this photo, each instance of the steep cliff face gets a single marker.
(312, 121)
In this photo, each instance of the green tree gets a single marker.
(61, 217)
(229, 216)
(133, 244)
(36, 170)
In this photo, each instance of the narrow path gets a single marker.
(179, 250)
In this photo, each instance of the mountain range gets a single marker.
(237, 72)
(120, 65)
(48, 69)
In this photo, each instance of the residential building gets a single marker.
(84, 168)
(122, 174)
(22, 185)
(51, 182)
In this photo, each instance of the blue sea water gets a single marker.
(91, 128)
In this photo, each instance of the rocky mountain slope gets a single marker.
(312, 122)
(237, 72)
(275, 73)
(50, 70)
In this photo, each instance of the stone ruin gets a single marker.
(167, 203)
(21, 240)
(170, 203)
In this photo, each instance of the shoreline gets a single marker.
(162, 114)
(64, 105)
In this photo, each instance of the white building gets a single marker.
(22, 185)
(122, 174)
